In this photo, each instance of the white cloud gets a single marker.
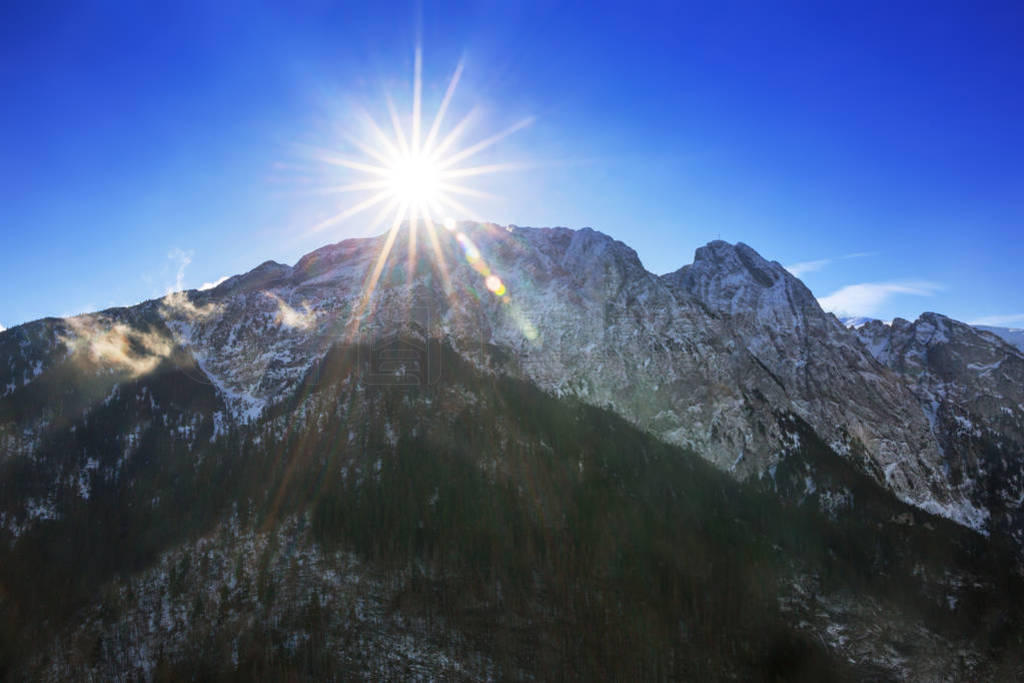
(111, 343)
(178, 306)
(183, 258)
(867, 298)
(799, 269)
(2, 328)
(290, 317)
(1000, 320)
(211, 285)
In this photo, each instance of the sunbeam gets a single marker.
(411, 168)
(415, 175)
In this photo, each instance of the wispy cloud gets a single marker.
(291, 317)
(210, 285)
(803, 267)
(799, 269)
(1000, 320)
(108, 342)
(184, 258)
(176, 305)
(867, 298)
(111, 343)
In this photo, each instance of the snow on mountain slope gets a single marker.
(710, 357)
(970, 385)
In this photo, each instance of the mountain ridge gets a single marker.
(580, 308)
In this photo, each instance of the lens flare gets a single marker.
(495, 284)
(412, 178)
(407, 168)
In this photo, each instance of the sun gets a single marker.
(415, 180)
(408, 170)
(412, 175)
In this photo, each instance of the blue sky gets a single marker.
(875, 147)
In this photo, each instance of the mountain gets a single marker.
(507, 452)
(855, 321)
(970, 385)
(1012, 335)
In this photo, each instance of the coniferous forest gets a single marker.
(479, 525)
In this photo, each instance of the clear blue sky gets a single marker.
(877, 144)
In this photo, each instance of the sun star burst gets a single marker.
(411, 173)
(413, 176)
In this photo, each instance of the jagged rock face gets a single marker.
(598, 326)
(707, 357)
(970, 386)
(827, 376)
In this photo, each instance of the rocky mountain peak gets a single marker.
(264, 275)
(588, 245)
(970, 386)
(722, 257)
(600, 263)
(733, 279)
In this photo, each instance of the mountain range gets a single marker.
(1013, 335)
(506, 452)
